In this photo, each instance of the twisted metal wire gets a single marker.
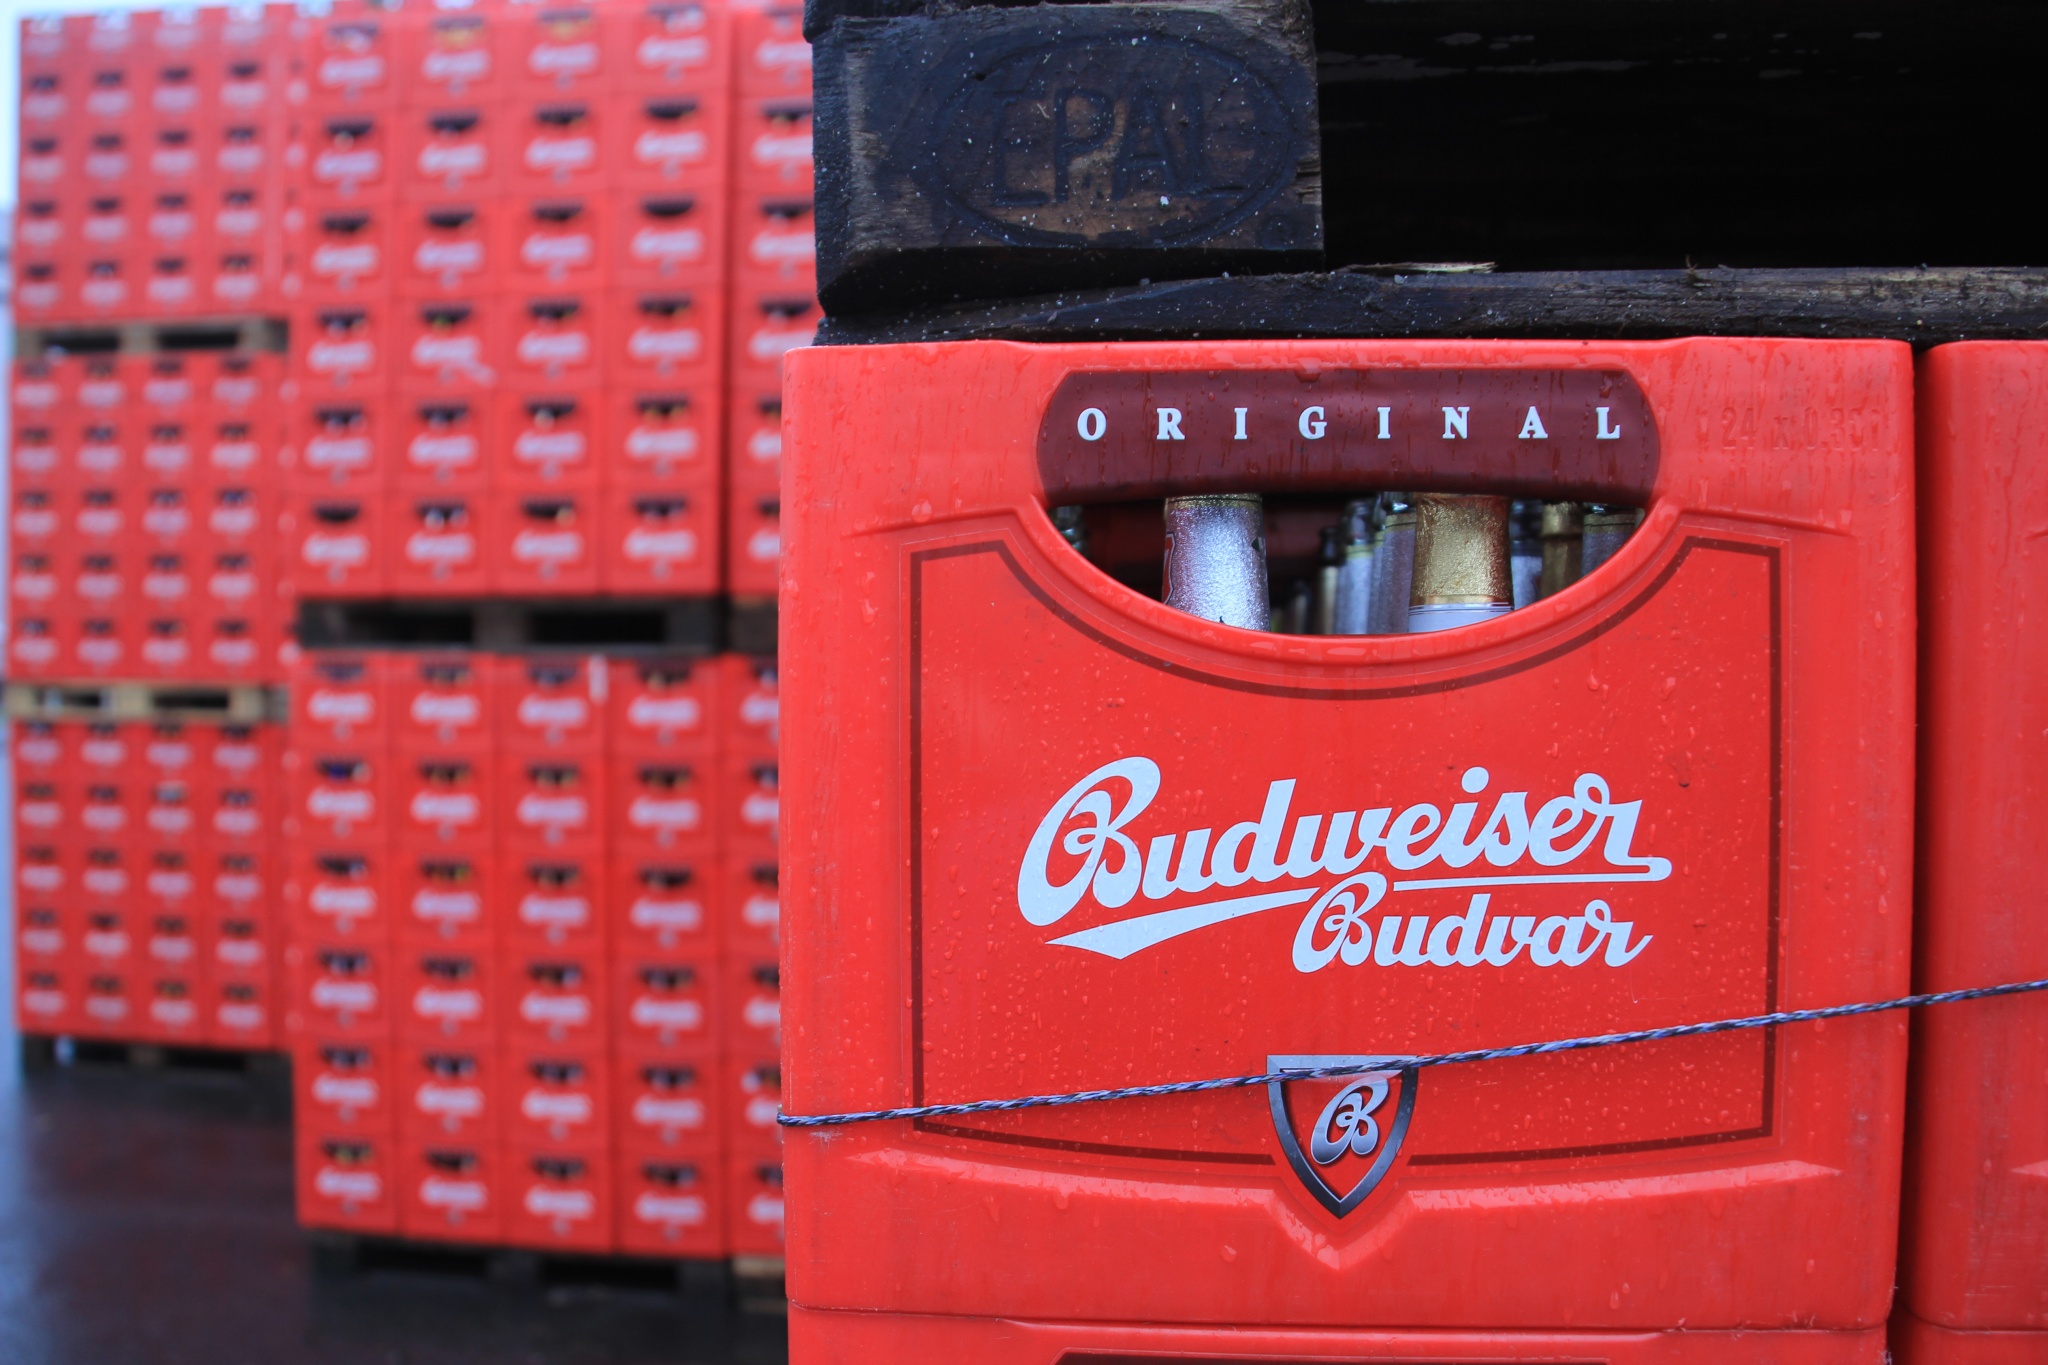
(1483, 1054)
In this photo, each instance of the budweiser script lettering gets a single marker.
(1511, 847)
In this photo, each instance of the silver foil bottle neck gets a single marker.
(1216, 559)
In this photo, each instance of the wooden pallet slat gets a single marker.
(113, 702)
(970, 151)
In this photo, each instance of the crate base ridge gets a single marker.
(855, 1337)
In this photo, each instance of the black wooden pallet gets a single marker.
(700, 625)
(1922, 306)
(41, 1051)
(150, 336)
(741, 1280)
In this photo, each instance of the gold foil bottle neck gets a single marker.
(1563, 523)
(1461, 551)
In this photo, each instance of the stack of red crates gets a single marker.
(151, 164)
(143, 877)
(534, 993)
(142, 495)
(774, 277)
(507, 321)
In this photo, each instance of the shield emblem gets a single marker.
(1342, 1135)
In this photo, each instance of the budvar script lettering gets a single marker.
(1583, 836)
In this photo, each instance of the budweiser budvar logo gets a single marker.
(1583, 837)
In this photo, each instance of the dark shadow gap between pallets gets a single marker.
(338, 1254)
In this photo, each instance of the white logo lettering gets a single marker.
(1510, 847)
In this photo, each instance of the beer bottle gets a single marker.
(1329, 572)
(1607, 529)
(1563, 525)
(1216, 559)
(1354, 577)
(1299, 614)
(1462, 574)
(1525, 550)
(1072, 524)
(1393, 567)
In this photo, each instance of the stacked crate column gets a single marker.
(338, 891)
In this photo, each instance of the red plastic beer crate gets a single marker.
(451, 151)
(662, 705)
(554, 340)
(753, 1089)
(353, 61)
(438, 544)
(450, 1190)
(771, 56)
(447, 247)
(662, 434)
(349, 252)
(754, 1206)
(345, 1180)
(344, 1085)
(1972, 1284)
(663, 805)
(551, 802)
(337, 545)
(666, 1004)
(775, 242)
(662, 540)
(441, 441)
(443, 701)
(753, 1004)
(343, 697)
(672, 45)
(444, 996)
(767, 324)
(556, 241)
(669, 239)
(668, 140)
(447, 1091)
(554, 145)
(47, 998)
(558, 1200)
(670, 1205)
(753, 556)
(340, 989)
(665, 337)
(558, 1099)
(443, 800)
(548, 440)
(543, 543)
(556, 52)
(446, 897)
(1675, 734)
(668, 1104)
(553, 998)
(242, 1014)
(449, 346)
(338, 444)
(665, 902)
(750, 707)
(452, 56)
(350, 158)
(551, 703)
(342, 348)
(772, 156)
(552, 902)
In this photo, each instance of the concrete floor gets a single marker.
(146, 1219)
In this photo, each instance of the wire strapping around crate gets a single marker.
(1483, 1054)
